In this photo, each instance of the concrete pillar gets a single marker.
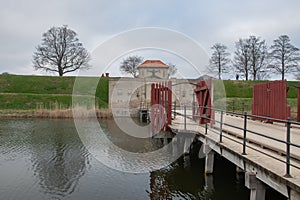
(187, 144)
(258, 188)
(201, 153)
(209, 159)
(294, 195)
(175, 146)
(165, 141)
(186, 161)
(239, 170)
(239, 175)
(209, 183)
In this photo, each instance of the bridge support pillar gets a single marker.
(187, 143)
(294, 195)
(209, 159)
(175, 144)
(258, 188)
(239, 170)
(209, 183)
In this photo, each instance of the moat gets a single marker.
(45, 159)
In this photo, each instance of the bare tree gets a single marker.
(285, 56)
(242, 57)
(130, 65)
(219, 59)
(60, 52)
(258, 56)
(172, 69)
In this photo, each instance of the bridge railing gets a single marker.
(216, 126)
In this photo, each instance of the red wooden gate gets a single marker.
(161, 105)
(204, 99)
(269, 100)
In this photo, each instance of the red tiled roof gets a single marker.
(153, 63)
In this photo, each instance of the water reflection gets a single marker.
(58, 157)
(128, 142)
(45, 159)
(183, 179)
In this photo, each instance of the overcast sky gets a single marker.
(22, 23)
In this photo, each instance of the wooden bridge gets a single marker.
(269, 154)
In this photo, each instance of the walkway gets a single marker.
(260, 151)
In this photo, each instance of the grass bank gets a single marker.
(244, 89)
(239, 95)
(56, 113)
(50, 96)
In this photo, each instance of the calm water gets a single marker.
(45, 159)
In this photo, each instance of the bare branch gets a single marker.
(219, 59)
(130, 65)
(60, 52)
(285, 56)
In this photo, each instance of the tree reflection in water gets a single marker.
(58, 157)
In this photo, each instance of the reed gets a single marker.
(58, 113)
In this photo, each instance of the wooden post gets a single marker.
(152, 109)
(169, 89)
(156, 110)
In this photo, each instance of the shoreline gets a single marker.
(56, 114)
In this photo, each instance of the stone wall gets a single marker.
(136, 92)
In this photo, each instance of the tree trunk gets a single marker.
(219, 67)
(60, 71)
(282, 69)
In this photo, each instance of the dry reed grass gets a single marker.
(58, 113)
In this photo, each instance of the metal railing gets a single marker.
(218, 128)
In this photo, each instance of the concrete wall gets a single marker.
(136, 92)
(153, 72)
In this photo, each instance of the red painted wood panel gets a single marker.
(161, 106)
(269, 100)
(203, 93)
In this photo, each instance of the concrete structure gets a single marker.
(134, 93)
(126, 92)
(259, 165)
(154, 69)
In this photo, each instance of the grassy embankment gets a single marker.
(239, 94)
(49, 96)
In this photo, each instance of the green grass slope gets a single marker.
(244, 89)
(18, 92)
(49, 92)
(239, 95)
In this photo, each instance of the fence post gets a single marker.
(184, 107)
(193, 106)
(288, 146)
(206, 119)
(174, 109)
(221, 126)
(245, 133)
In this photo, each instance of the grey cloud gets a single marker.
(23, 22)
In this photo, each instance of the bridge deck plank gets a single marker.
(268, 146)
